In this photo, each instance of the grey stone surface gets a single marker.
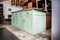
(6, 35)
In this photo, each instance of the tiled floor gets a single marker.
(5, 34)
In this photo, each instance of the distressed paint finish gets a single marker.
(31, 21)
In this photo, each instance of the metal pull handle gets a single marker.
(27, 12)
(20, 13)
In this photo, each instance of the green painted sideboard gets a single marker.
(31, 21)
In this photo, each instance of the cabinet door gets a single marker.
(18, 19)
(28, 22)
(22, 20)
(12, 19)
(15, 17)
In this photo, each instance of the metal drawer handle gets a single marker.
(20, 13)
(27, 12)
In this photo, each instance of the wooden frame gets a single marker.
(12, 2)
(17, 3)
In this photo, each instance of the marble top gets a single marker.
(39, 9)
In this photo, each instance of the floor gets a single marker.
(9, 34)
(6, 35)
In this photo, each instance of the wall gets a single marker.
(1, 0)
(7, 6)
(56, 19)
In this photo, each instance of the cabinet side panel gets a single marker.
(39, 22)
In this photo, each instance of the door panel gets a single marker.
(22, 20)
(28, 22)
(18, 19)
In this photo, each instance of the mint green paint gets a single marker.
(13, 19)
(31, 21)
(17, 19)
(39, 22)
(28, 21)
